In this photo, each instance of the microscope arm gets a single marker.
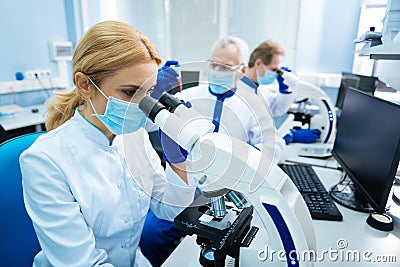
(211, 154)
(325, 121)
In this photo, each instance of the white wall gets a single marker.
(187, 29)
(326, 32)
(258, 20)
(317, 34)
(388, 71)
(148, 17)
(194, 26)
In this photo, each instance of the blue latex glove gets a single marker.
(159, 238)
(283, 88)
(166, 77)
(172, 152)
(302, 136)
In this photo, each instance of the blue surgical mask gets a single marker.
(221, 81)
(120, 117)
(268, 78)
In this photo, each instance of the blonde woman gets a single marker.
(89, 182)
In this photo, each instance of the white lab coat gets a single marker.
(88, 200)
(243, 116)
(278, 103)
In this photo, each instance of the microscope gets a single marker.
(248, 210)
(325, 121)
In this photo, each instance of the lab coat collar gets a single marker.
(92, 132)
(246, 80)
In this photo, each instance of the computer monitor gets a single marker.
(363, 83)
(367, 146)
(188, 79)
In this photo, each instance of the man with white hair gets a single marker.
(233, 112)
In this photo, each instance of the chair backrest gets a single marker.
(18, 244)
(3, 135)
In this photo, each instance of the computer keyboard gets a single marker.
(318, 201)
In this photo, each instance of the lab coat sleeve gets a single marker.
(279, 103)
(280, 147)
(263, 133)
(170, 195)
(255, 134)
(63, 234)
(150, 126)
(268, 140)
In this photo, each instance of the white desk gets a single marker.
(353, 229)
(292, 150)
(25, 118)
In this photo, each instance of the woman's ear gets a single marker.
(82, 83)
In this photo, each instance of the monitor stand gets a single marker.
(345, 193)
(396, 194)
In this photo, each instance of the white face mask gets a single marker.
(120, 117)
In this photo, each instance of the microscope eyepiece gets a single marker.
(279, 71)
(151, 107)
(170, 102)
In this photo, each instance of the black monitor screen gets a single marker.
(188, 79)
(363, 83)
(367, 144)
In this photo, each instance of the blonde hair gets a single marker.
(105, 48)
(265, 51)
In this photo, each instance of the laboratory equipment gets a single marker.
(325, 121)
(61, 52)
(367, 146)
(371, 37)
(315, 152)
(228, 168)
(386, 46)
(10, 110)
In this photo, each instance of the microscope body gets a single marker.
(220, 164)
(219, 161)
(325, 121)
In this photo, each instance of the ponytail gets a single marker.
(61, 108)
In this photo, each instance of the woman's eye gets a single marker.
(150, 90)
(129, 92)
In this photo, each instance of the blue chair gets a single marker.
(3, 134)
(18, 244)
